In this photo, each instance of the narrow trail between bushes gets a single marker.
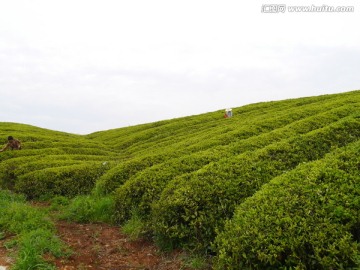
(5, 259)
(101, 246)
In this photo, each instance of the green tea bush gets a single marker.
(192, 206)
(221, 133)
(307, 218)
(186, 215)
(119, 174)
(67, 181)
(30, 153)
(183, 176)
(143, 188)
(12, 169)
(86, 151)
(192, 133)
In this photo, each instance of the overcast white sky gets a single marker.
(82, 66)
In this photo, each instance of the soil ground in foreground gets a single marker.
(101, 246)
(5, 259)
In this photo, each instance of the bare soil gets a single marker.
(101, 246)
(5, 259)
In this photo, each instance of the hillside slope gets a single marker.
(187, 177)
(51, 162)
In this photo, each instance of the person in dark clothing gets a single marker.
(13, 144)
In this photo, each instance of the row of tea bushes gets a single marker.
(179, 134)
(14, 169)
(243, 127)
(140, 189)
(52, 163)
(10, 170)
(191, 207)
(67, 181)
(308, 218)
(244, 138)
(183, 178)
(145, 187)
(119, 174)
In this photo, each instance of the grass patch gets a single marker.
(34, 245)
(135, 227)
(87, 209)
(196, 262)
(35, 233)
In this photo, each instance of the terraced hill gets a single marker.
(52, 163)
(274, 186)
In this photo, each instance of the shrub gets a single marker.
(191, 207)
(66, 181)
(141, 190)
(119, 174)
(305, 219)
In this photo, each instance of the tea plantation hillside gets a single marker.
(276, 186)
(52, 163)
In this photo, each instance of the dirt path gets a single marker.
(5, 260)
(100, 246)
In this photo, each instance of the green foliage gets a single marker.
(185, 177)
(146, 186)
(52, 156)
(197, 262)
(191, 207)
(34, 245)
(89, 209)
(141, 190)
(135, 227)
(58, 203)
(34, 231)
(121, 173)
(66, 181)
(305, 219)
(7, 197)
(18, 217)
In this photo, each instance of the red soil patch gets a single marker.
(100, 246)
(5, 260)
(104, 247)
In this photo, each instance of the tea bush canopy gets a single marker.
(275, 186)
